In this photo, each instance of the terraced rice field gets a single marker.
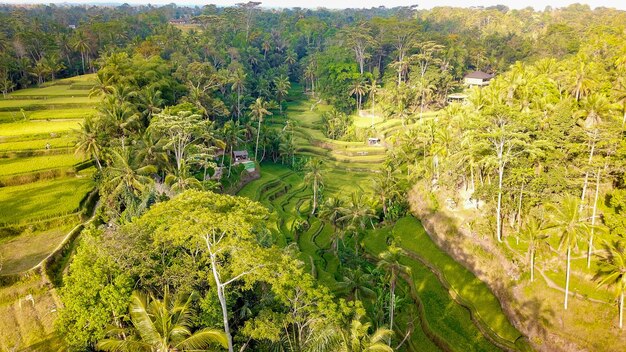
(457, 311)
(37, 135)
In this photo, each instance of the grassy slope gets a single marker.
(28, 249)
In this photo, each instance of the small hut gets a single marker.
(457, 98)
(477, 79)
(240, 156)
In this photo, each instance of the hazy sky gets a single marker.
(423, 4)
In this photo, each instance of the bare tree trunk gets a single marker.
(392, 304)
(222, 298)
(582, 196)
(258, 134)
(532, 265)
(499, 206)
(593, 219)
(569, 251)
(314, 197)
(519, 212)
(621, 310)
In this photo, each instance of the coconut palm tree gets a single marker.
(88, 142)
(358, 88)
(356, 284)
(258, 110)
(389, 261)
(281, 86)
(81, 43)
(125, 173)
(161, 325)
(314, 174)
(331, 211)
(612, 272)
(238, 81)
(359, 339)
(566, 222)
(233, 134)
(357, 214)
(534, 233)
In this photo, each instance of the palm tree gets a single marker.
(151, 150)
(390, 262)
(357, 284)
(357, 215)
(358, 88)
(161, 325)
(238, 80)
(282, 85)
(151, 101)
(331, 211)
(566, 222)
(181, 180)
(257, 111)
(88, 142)
(126, 175)
(358, 338)
(81, 43)
(314, 175)
(372, 88)
(233, 134)
(533, 232)
(612, 272)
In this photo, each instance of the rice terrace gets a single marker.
(259, 177)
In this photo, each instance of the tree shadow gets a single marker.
(538, 316)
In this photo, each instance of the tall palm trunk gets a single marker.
(586, 182)
(569, 252)
(593, 219)
(499, 206)
(392, 302)
(621, 310)
(314, 197)
(532, 265)
(258, 134)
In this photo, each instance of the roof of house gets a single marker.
(240, 153)
(479, 75)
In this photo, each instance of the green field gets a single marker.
(31, 128)
(66, 140)
(43, 199)
(37, 163)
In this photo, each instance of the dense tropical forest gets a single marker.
(252, 179)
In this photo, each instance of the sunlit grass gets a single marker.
(37, 163)
(43, 199)
(37, 127)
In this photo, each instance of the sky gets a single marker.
(422, 4)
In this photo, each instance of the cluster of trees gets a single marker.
(222, 279)
(44, 42)
(176, 104)
(542, 146)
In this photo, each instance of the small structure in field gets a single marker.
(477, 79)
(178, 21)
(373, 141)
(457, 98)
(240, 156)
